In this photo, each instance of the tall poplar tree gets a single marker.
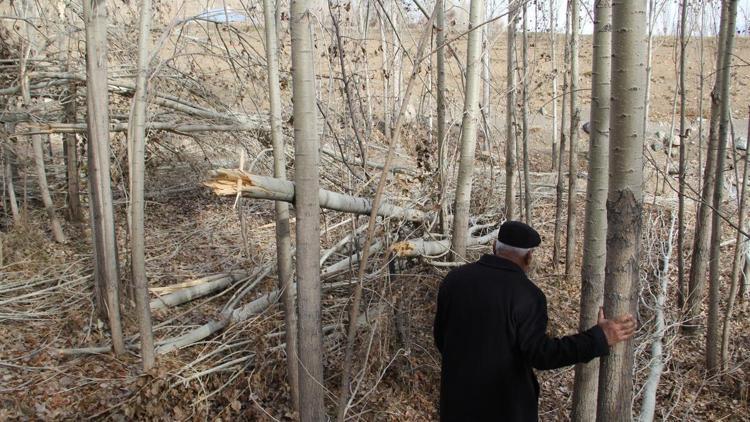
(624, 199)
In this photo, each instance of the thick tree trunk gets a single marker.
(283, 240)
(713, 340)
(595, 226)
(510, 112)
(137, 137)
(575, 113)
(703, 222)
(102, 214)
(624, 200)
(307, 204)
(468, 133)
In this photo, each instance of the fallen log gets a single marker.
(431, 248)
(225, 182)
(198, 289)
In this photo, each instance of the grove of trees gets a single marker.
(276, 189)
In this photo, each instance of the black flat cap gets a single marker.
(518, 234)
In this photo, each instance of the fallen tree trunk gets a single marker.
(225, 182)
(432, 248)
(199, 288)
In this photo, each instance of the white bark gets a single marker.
(468, 132)
(595, 224)
(432, 248)
(624, 200)
(186, 294)
(657, 339)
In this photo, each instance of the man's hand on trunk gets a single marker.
(617, 330)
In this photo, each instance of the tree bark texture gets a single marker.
(713, 339)
(510, 112)
(624, 200)
(283, 239)
(683, 159)
(595, 224)
(468, 133)
(137, 137)
(307, 205)
(699, 263)
(100, 191)
(575, 117)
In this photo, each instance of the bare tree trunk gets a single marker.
(703, 222)
(713, 341)
(736, 262)
(553, 53)
(137, 137)
(510, 112)
(75, 213)
(560, 187)
(575, 113)
(36, 140)
(624, 200)
(102, 214)
(486, 79)
(441, 135)
(71, 159)
(649, 62)
(595, 225)
(9, 185)
(283, 240)
(311, 381)
(525, 117)
(701, 84)
(468, 133)
(683, 160)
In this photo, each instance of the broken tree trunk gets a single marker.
(225, 182)
(431, 248)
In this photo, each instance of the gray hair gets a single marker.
(501, 247)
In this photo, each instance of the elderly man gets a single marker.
(490, 328)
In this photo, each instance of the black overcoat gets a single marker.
(491, 330)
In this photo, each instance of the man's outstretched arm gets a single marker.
(545, 352)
